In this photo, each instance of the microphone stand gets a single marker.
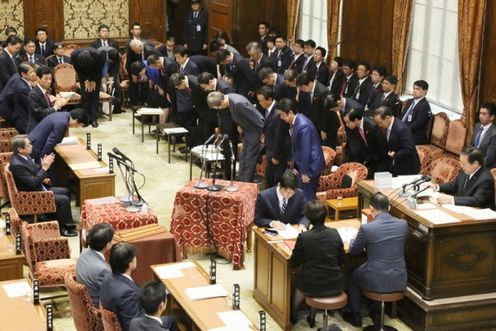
(214, 187)
(130, 184)
(232, 187)
(201, 184)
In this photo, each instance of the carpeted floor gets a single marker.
(162, 181)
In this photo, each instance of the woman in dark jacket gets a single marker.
(320, 252)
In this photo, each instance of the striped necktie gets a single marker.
(284, 206)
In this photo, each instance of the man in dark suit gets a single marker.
(283, 55)
(269, 78)
(205, 63)
(322, 70)
(58, 57)
(195, 30)
(263, 34)
(39, 104)
(288, 89)
(351, 79)
(29, 55)
(387, 97)
(282, 204)
(307, 155)
(251, 123)
(402, 155)
(91, 266)
(186, 66)
(366, 142)
(153, 298)
(417, 112)
(89, 64)
(376, 77)
(136, 35)
(21, 89)
(298, 56)
(29, 176)
(7, 59)
(362, 91)
(473, 187)
(276, 136)
(385, 270)
(336, 76)
(309, 64)
(44, 46)
(137, 50)
(104, 41)
(7, 99)
(259, 60)
(119, 293)
(238, 69)
(485, 134)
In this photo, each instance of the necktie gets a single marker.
(31, 59)
(61, 60)
(383, 98)
(43, 50)
(478, 136)
(105, 43)
(47, 98)
(105, 68)
(465, 181)
(388, 132)
(307, 61)
(408, 112)
(284, 206)
(331, 80)
(362, 134)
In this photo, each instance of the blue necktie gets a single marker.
(408, 112)
(478, 137)
(106, 68)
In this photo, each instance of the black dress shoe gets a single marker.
(353, 319)
(311, 321)
(94, 124)
(68, 233)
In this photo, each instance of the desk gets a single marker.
(228, 215)
(339, 205)
(18, 314)
(203, 313)
(10, 263)
(273, 283)
(170, 130)
(152, 114)
(92, 183)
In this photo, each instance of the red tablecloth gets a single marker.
(228, 215)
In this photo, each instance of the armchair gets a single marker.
(444, 169)
(330, 185)
(4, 192)
(110, 320)
(439, 134)
(425, 156)
(455, 142)
(86, 316)
(329, 156)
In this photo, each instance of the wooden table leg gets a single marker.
(142, 129)
(249, 237)
(168, 147)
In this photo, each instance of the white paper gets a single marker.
(289, 232)
(347, 233)
(17, 289)
(233, 328)
(172, 271)
(205, 292)
(234, 318)
(175, 130)
(69, 141)
(473, 213)
(437, 216)
(103, 201)
(149, 111)
(423, 206)
(85, 165)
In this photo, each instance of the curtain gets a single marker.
(471, 15)
(293, 16)
(332, 27)
(402, 18)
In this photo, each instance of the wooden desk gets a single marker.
(10, 263)
(203, 313)
(273, 281)
(92, 183)
(18, 314)
(339, 205)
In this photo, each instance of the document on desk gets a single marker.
(85, 165)
(173, 270)
(233, 328)
(149, 111)
(17, 289)
(347, 233)
(234, 318)
(437, 216)
(69, 141)
(289, 232)
(175, 130)
(473, 213)
(205, 292)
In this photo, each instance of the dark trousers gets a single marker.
(91, 101)
(273, 171)
(63, 203)
(188, 121)
(138, 93)
(309, 189)
(249, 156)
(355, 296)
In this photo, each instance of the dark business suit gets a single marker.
(7, 68)
(487, 145)
(350, 104)
(242, 75)
(29, 176)
(121, 295)
(205, 63)
(363, 90)
(48, 133)
(308, 158)
(91, 268)
(309, 66)
(138, 92)
(195, 31)
(406, 160)
(267, 209)
(477, 191)
(190, 68)
(349, 86)
(263, 43)
(263, 62)
(337, 82)
(49, 46)
(418, 119)
(39, 107)
(146, 323)
(385, 270)
(313, 106)
(7, 99)
(374, 98)
(282, 59)
(298, 62)
(251, 121)
(187, 105)
(322, 74)
(110, 43)
(38, 59)
(20, 114)
(53, 61)
(391, 101)
(320, 252)
(285, 91)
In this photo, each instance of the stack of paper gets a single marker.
(473, 213)
(172, 271)
(289, 232)
(347, 233)
(205, 292)
(383, 180)
(17, 289)
(69, 141)
(437, 216)
(85, 165)
(235, 319)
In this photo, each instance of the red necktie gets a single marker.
(362, 134)
(47, 98)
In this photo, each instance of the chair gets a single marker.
(330, 185)
(341, 145)
(425, 156)
(16, 224)
(69, 48)
(110, 320)
(457, 132)
(493, 172)
(4, 192)
(444, 169)
(329, 156)
(8, 133)
(86, 316)
(439, 134)
(47, 253)
(382, 298)
(328, 304)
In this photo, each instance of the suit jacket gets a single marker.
(406, 160)
(245, 114)
(110, 42)
(309, 66)
(352, 104)
(391, 101)
(384, 241)
(298, 62)
(313, 107)
(39, 108)
(320, 252)
(146, 323)
(7, 68)
(322, 74)
(49, 46)
(93, 72)
(7, 99)
(337, 83)
(242, 75)
(91, 268)
(121, 295)
(487, 145)
(263, 42)
(190, 69)
(48, 133)
(38, 59)
(52, 61)
(363, 90)
(132, 57)
(477, 192)
(277, 140)
(20, 114)
(195, 31)
(205, 63)
(264, 62)
(350, 85)
(285, 91)
(28, 176)
(283, 59)
(308, 157)
(267, 209)
(372, 101)
(419, 120)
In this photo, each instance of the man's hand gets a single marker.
(204, 47)
(47, 161)
(217, 131)
(277, 225)
(134, 78)
(60, 102)
(275, 161)
(47, 181)
(301, 228)
(391, 154)
(305, 179)
(323, 135)
(444, 199)
(89, 86)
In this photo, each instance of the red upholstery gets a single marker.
(341, 145)
(4, 191)
(86, 316)
(439, 133)
(8, 133)
(457, 132)
(16, 225)
(329, 156)
(330, 185)
(110, 320)
(425, 155)
(444, 169)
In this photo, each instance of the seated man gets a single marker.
(29, 176)
(119, 293)
(474, 186)
(385, 270)
(154, 301)
(282, 204)
(91, 266)
(484, 136)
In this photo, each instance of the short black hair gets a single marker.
(152, 59)
(281, 36)
(58, 45)
(422, 84)
(349, 63)
(304, 79)
(310, 43)
(331, 101)
(121, 254)
(381, 70)
(176, 79)
(223, 35)
(99, 236)
(152, 295)
(265, 23)
(288, 180)
(13, 40)
(24, 67)
(490, 106)
(271, 39)
(43, 70)
(354, 114)
(222, 55)
(338, 60)
(80, 115)
(286, 105)
(267, 92)
(113, 55)
(28, 40)
(392, 79)
(84, 59)
(264, 73)
(473, 154)
(205, 77)
(316, 212)
(383, 112)
(171, 38)
(9, 30)
(300, 42)
(17, 142)
(181, 50)
(137, 67)
(135, 24)
(103, 26)
(379, 201)
(322, 51)
(365, 64)
(214, 45)
(40, 29)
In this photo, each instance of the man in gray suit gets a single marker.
(485, 134)
(251, 123)
(154, 301)
(385, 270)
(91, 266)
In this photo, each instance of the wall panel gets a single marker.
(7, 7)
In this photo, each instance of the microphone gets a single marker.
(209, 140)
(112, 155)
(224, 137)
(120, 160)
(122, 155)
(414, 182)
(232, 187)
(417, 193)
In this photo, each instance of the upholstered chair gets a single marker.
(444, 169)
(331, 186)
(85, 315)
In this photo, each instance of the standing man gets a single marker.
(238, 69)
(103, 40)
(283, 56)
(417, 112)
(7, 59)
(249, 121)
(195, 31)
(387, 97)
(485, 134)
(298, 56)
(362, 91)
(263, 34)
(308, 158)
